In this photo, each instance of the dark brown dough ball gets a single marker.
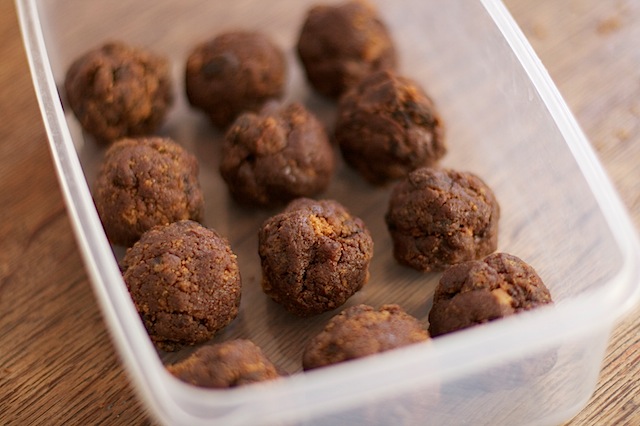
(232, 73)
(143, 183)
(119, 91)
(479, 291)
(271, 158)
(314, 256)
(185, 282)
(339, 45)
(360, 331)
(440, 217)
(387, 126)
(225, 365)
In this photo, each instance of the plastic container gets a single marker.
(505, 122)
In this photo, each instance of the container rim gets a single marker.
(170, 400)
(612, 207)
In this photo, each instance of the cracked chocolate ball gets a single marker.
(314, 256)
(118, 91)
(479, 291)
(340, 45)
(440, 217)
(360, 331)
(234, 72)
(143, 183)
(387, 127)
(225, 365)
(271, 158)
(185, 282)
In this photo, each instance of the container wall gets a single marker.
(497, 127)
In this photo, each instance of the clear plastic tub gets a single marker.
(505, 121)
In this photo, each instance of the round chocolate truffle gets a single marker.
(232, 73)
(185, 282)
(387, 127)
(119, 91)
(315, 255)
(339, 45)
(478, 291)
(440, 217)
(225, 365)
(360, 331)
(271, 158)
(143, 183)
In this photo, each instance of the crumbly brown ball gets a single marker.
(225, 365)
(360, 331)
(479, 291)
(387, 127)
(143, 183)
(340, 45)
(232, 73)
(119, 91)
(185, 282)
(440, 217)
(271, 158)
(315, 255)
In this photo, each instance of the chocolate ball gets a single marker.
(479, 291)
(118, 91)
(234, 72)
(339, 45)
(315, 255)
(225, 365)
(387, 127)
(440, 217)
(143, 183)
(185, 282)
(361, 331)
(271, 158)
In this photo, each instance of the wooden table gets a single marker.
(57, 364)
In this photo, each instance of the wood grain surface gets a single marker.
(57, 364)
